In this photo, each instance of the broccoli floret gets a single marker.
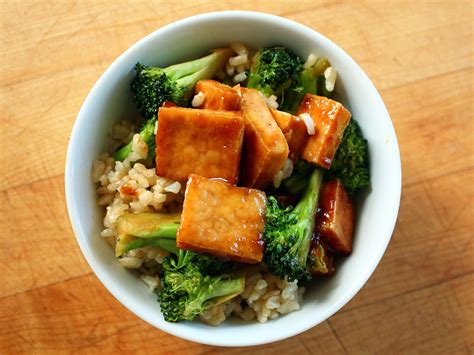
(188, 290)
(191, 281)
(209, 265)
(351, 162)
(273, 70)
(153, 86)
(309, 80)
(288, 232)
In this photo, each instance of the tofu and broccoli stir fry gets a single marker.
(234, 185)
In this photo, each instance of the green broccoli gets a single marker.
(310, 80)
(153, 86)
(296, 183)
(188, 289)
(191, 281)
(274, 70)
(351, 162)
(147, 229)
(148, 136)
(322, 91)
(288, 232)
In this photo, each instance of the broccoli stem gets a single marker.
(296, 183)
(308, 83)
(322, 91)
(183, 257)
(147, 135)
(226, 287)
(167, 231)
(147, 229)
(306, 209)
(163, 236)
(253, 82)
(206, 67)
(213, 292)
(288, 232)
(166, 244)
(293, 98)
(224, 290)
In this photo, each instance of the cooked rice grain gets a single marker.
(239, 48)
(308, 121)
(310, 61)
(237, 65)
(152, 282)
(240, 77)
(272, 101)
(330, 74)
(198, 99)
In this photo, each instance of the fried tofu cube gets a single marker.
(330, 120)
(265, 146)
(217, 96)
(204, 142)
(336, 217)
(222, 220)
(295, 132)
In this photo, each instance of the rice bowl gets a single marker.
(86, 219)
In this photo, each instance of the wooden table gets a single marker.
(420, 57)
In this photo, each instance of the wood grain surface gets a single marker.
(419, 54)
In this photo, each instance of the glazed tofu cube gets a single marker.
(336, 217)
(330, 120)
(295, 132)
(265, 146)
(217, 96)
(204, 142)
(222, 220)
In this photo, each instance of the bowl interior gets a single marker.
(110, 101)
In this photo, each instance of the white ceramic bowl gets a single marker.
(109, 101)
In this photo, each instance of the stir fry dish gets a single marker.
(233, 188)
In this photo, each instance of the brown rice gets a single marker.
(265, 297)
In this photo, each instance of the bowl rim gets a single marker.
(114, 289)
